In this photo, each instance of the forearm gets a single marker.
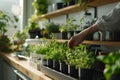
(89, 30)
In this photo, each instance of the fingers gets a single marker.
(71, 43)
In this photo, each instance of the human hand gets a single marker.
(76, 39)
(80, 37)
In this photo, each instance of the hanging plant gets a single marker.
(40, 6)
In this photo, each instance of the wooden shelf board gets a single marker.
(62, 11)
(73, 8)
(24, 67)
(107, 43)
(101, 2)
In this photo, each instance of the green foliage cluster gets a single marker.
(80, 57)
(5, 44)
(40, 6)
(21, 36)
(51, 27)
(112, 63)
(6, 20)
(69, 25)
(32, 25)
(57, 51)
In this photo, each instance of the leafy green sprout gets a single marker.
(80, 57)
(112, 63)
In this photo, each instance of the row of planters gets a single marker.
(77, 63)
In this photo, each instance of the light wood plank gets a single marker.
(107, 43)
(24, 67)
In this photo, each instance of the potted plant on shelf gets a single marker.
(5, 21)
(52, 28)
(68, 28)
(112, 65)
(33, 29)
(19, 39)
(20, 36)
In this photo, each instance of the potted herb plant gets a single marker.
(5, 21)
(69, 28)
(20, 36)
(19, 39)
(52, 28)
(33, 29)
(112, 65)
(80, 60)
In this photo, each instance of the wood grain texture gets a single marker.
(24, 67)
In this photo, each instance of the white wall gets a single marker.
(6, 5)
(102, 10)
(26, 12)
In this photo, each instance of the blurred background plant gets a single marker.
(40, 6)
(112, 64)
(6, 21)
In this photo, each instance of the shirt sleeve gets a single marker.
(111, 21)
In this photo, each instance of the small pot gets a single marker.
(73, 72)
(34, 33)
(56, 65)
(64, 68)
(50, 63)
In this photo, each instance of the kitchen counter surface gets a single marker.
(24, 67)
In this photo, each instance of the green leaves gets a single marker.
(20, 36)
(69, 25)
(51, 27)
(80, 57)
(112, 62)
(5, 44)
(40, 6)
(5, 21)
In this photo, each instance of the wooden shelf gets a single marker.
(24, 67)
(74, 8)
(106, 43)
